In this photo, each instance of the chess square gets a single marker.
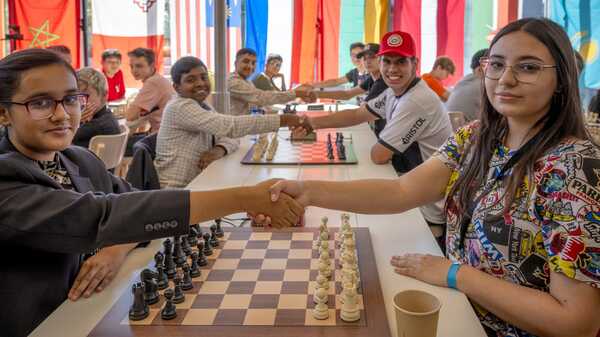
(260, 317)
(231, 254)
(268, 287)
(271, 275)
(264, 301)
(238, 235)
(287, 317)
(279, 244)
(292, 301)
(207, 301)
(338, 301)
(278, 264)
(199, 317)
(300, 254)
(296, 275)
(298, 264)
(340, 322)
(314, 264)
(311, 321)
(301, 244)
(258, 236)
(277, 254)
(214, 287)
(254, 254)
(250, 264)
(230, 317)
(226, 264)
(146, 321)
(295, 287)
(240, 287)
(235, 244)
(310, 301)
(236, 301)
(175, 321)
(303, 236)
(187, 303)
(280, 235)
(245, 275)
(220, 275)
(259, 244)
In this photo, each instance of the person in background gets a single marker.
(356, 76)
(96, 117)
(111, 68)
(63, 51)
(595, 103)
(442, 68)
(265, 80)
(466, 95)
(156, 90)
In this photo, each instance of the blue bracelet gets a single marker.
(451, 278)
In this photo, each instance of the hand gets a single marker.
(298, 124)
(209, 156)
(98, 271)
(311, 97)
(303, 90)
(88, 112)
(283, 209)
(423, 267)
(293, 188)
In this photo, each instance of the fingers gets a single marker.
(105, 282)
(276, 189)
(89, 275)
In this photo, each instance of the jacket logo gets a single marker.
(413, 130)
(161, 226)
(380, 104)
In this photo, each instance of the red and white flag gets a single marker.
(126, 25)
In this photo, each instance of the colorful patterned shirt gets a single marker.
(553, 223)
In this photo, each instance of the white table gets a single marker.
(390, 235)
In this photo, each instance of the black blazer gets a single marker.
(45, 228)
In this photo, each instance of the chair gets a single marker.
(142, 173)
(110, 148)
(457, 119)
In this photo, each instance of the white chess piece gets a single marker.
(350, 310)
(324, 246)
(321, 310)
(322, 282)
(324, 269)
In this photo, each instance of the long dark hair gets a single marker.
(564, 119)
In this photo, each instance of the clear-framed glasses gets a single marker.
(524, 72)
(44, 107)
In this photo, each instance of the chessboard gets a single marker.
(261, 283)
(327, 149)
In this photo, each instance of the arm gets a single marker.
(445, 96)
(341, 94)
(343, 118)
(146, 100)
(331, 82)
(381, 154)
(245, 91)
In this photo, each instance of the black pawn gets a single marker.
(342, 152)
(187, 278)
(329, 138)
(220, 232)
(179, 255)
(201, 258)
(169, 311)
(170, 266)
(139, 309)
(163, 279)
(159, 259)
(213, 236)
(151, 288)
(207, 245)
(193, 236)
(179, 296)
(185, 246)
(194, 270)
(168, 245)
(199, 230)
(330, 153)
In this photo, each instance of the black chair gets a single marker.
(142, 174)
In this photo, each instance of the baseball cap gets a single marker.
(370, 48)
(397, 43)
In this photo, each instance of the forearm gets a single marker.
(122, 250)
(339, 119)
(532, 310)
(208, 205)
(133, 112)
(330, 83)
(338, 94)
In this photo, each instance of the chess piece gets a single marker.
(193, 236)
(162, 278)
(350, 311)
(220, 232)
(342, 151)
(169, 311)
(178, 296)
(207, 246)
(150, 287)
(194, 269)
(321, 310)
(178, 253)
(170, 266)
(168, 247)
(159, 259)
(201, 258)
(185, 246)
(323, 226)
(329, 138)
(322, 282)
(186, 284)
(213, 236)
(139, 309)
(330, 153)
(324, 269)
(324, 246)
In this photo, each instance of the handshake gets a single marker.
(306, 93)
(275, 202)
(299, 125)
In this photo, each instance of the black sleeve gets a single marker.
(366, 84)
(352, 76)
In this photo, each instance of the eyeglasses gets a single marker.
(524, 72)
(44, 107)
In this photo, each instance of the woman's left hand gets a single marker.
(424, 267)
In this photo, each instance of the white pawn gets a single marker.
(324, 269)
(350, 310)
(322, 282)
(321, 310)
(324, 247)
(323, 226)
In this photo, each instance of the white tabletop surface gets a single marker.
(390, 235)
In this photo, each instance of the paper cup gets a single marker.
(417, 313)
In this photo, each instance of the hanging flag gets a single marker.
(576, 17)
(376, 20)
(304, 41)
(330, 39)
(126, 25)
(234, 31)
(48, 23)
(188, 30)
(257, 26)
(450, 35)
(3, 42)
(352, 18)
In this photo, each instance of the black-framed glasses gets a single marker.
(44, 107)
(524, 72)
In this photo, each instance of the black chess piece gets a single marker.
(185, 246)
(337, 137)
(342, 152)
(201, 258)
(139, 309)
(169, 311)
(193, 236)
(199, 229)
(194, 269)
(159, 259)
(168, 245)
(186, 284)
(220, 232)
(178, 253)
(207, 246)
(329, 138)
(341, 137)
(150, 287)
(330, 153)
(179, 296)
(162, 278)
(170, 266)
(213, 236)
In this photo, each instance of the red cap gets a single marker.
(397, 43)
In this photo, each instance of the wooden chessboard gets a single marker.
(260, 283)
(305, 152)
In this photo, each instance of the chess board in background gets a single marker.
(260, 283)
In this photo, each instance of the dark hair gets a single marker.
(244, 51)
(111, 53)
(475, 58)
(60, 49)
(563, 119)
(183, 66)
(446, 63)
(357, 45)
(13, 65)
(146, 53)
(273, 57)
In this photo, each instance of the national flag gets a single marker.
(126, 25)
(47, 23)
(2, 30)
(376, 20)
(234, 31)
(352, 18)
(189, 35)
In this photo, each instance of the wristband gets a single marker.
(451, 278)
